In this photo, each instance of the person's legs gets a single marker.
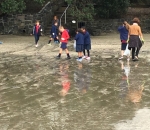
(137, 52)
(50, 40)
(133, 53)
(38, 37)
(59, 55)
(123, 47)
(67, 52)
(35, 36)
(88, 52)
(84, 52)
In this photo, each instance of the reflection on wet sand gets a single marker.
(131, 86)
(82, 78)
(64, 77)
(88, 93)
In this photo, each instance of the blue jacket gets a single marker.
(54, 31)
(39, 30)
(123, 33)
(79, 38)
(87, 39)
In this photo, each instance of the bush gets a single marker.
(111, 8)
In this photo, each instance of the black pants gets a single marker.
(36, 38)
(135, 51)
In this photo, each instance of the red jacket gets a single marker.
(65, 36)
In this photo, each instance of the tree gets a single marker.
(15, 6)
(81, 9)
(111, 8)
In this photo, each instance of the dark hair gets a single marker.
(83, 27)
(78, 30)
(136, 20)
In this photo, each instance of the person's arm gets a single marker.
(67, 36)
(140, 33)
(53, 31)
(120, 28)
(32, 32)
(76, 37)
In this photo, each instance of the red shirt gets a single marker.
(65, 36)
(37, 28)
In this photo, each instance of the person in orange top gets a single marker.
(135, 38)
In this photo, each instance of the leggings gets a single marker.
(36, 38)
(135, 51)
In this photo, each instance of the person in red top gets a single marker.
(64, 40)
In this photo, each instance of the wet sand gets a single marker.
(38, 92)
(104, 46)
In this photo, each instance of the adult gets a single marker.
(135, 38)
(55, 20)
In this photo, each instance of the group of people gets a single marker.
(131, 35)
(82, 38)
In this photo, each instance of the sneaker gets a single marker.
(80, 60)
(134, 59)
(88, 58)
(120, 58)
(57, 57)
(49, 44)
(36, 45)
(84, 57)
(68, 58)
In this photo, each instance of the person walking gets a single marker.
(123, 37)
(64, 41)
(37, 29)
(135, 38)
(54, 33)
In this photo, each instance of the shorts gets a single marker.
(63, 45)
(79, 48)
(123, 46)
(87, 46)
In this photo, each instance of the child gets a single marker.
(37, 32)
(79, 44)
(123, 37)
(64, 40)
(87, 43)
(54, 33)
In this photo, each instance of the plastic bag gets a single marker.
(74, 44)
(127, 51)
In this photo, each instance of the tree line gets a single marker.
(81, 9)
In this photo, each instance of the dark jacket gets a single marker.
(79, 38)
(87, 39)
(54, 31)
(123, 33)
(39, 30)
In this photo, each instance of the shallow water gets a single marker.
(37, 93)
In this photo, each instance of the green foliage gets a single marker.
(86, 9)
(11, 6)
(81, 9)
(111, 8)
(15, 6)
